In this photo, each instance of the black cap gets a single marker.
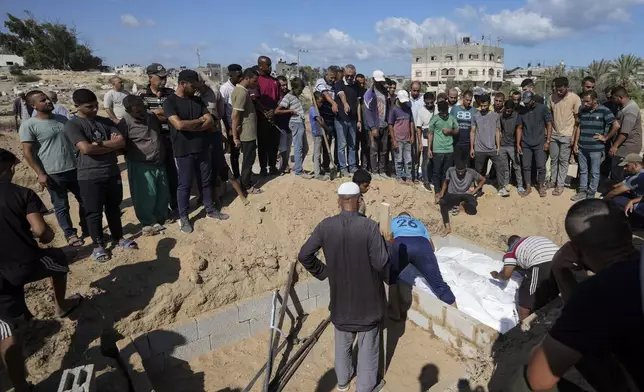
(188, 75)
(156, 69)
(234, 67)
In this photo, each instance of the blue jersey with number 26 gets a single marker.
(404, 226)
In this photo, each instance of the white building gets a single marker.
(518, 75)
(467, 61)
(129, 69)
(7, 60)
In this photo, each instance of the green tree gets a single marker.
(625, 70)
(600, 70)
(47, 45)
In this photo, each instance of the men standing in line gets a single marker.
(244, 127)
(440, 142)
(267, 135)
(417, 103)
(190, 123)
(328, 110)
(425, 115)
(99, 178)
(456, 191)
(509, 122)
(485, 142)
(51, 155)
(113, 100)
(376, 116)
(565, 106)
(226, 91)
(499, 102)
(348, 121)
(144, 155)
(58, 109)
(594, 119)
(286, 135)
(357, 262)
(403, 133)
(463, 114)
(452, 98)
(532, 141)
(154, 95)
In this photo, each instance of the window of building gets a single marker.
(474, 57)
(473, 72)
(449, 57)
(419, 74)
(483, 73)
(452, 72)
(460, 72)
(433, 58)
(491, 72)
(9, 62)
(418, 59)
(499, 59)
(498, 74)
(432, 73)
(491, 57)
(460, 56)
(444, 72)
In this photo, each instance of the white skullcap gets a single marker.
(349, 189)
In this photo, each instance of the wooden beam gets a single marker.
(385, 219)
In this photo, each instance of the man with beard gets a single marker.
(534, 131)
(376, 115)
(348, 122)
(244, 126)
(417, 102)
(499, 102)
(588, 83)
(267, 135)
(190, 123)
(508, 145)
(452, 98)
(153, 96)
(425, 115)
(516, 98)
(455, 193)
(286, 136)
(628, 193)
(226, 91)
(463, 114)
(328, 110)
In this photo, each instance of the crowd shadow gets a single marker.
(327, 382)
(428, 377)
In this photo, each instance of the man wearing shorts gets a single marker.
(533, 255)
(24, 262)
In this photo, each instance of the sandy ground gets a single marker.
(139, 291)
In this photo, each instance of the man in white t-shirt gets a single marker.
(226, 90)
(422, 118)
(113, 100)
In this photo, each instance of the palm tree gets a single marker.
(600, 70)
(625, 70)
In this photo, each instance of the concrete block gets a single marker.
(301, 293)
(430, 305)
(174, 335)
(418, 319)
(323, 300)
(142, 345)
(468, 350)
(79, 379)
(317, 287)
(307, 306)
(485, 337)
(260, 324)
(189, 351)
(445, 335)
(210, 322)
(154, 364)
(231, 334)
(460, 322)
(255, 307)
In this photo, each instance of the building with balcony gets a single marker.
(478, 62)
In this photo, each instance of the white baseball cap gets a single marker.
(349, 189)
(378, 76)
(403, 96)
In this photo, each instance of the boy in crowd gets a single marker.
(463, 112)
(509, 154)
(190, 123)
(485, 142)
(282, 121)
(291, 105)
(113, 100)
(403, 132)
(440, 141)
(363, 179)
(423, 119)
(317, 127)
(457, 191)
(23, 261)
(99, 178)
(51, 155)
(145, 158)
(226, 91)
(244, 126)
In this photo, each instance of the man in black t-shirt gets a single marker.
(190, 121)
(23, 262)
(348, 120)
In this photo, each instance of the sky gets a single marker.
(374, 34)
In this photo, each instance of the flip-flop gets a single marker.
(75, 242)
(100, 254)
(255, 191)
(126, 243)
(79, 299)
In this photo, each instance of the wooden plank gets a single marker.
(385, 219)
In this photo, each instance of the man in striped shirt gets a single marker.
(594, 119)
(532, 255)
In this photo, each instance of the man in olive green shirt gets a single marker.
(442, 129)
(245, 126)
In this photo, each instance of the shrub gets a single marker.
(15, 69)
(28, 78)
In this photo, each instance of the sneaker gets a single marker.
(342, 388)
(581, 195)
(504, 192)
(558, 191)
(590, 195)
(185, 226)
(273, 171)
(218, 215)
(455, 211)
(520, 189)
(158, 228)
(322, 177)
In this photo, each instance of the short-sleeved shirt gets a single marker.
(534, 121)
(226, 91)
(405, 226)
(530, 251)
(509, 130)
(381, 101)
(154, 102)
(53, 148)
(292, 102)
(486, 126)
(400, 118)
(423, 118)
(242, 103)
(459, 186)
(114, 100)
(186, 108)
(635, 183)
(316, 130)
(143, 140)
(591, 123)
(269, 91)
(89, 167)
(322, 86)
(442, 143)
(17, 241)
(630, 120)
(564, 111)
(351, 95)
(464, 118)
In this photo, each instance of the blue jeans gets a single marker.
(191, 166)
(403, 159)
(346, 140)
(589, 160)
(59, 185)
(300, 146)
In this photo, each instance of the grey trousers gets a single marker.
(510, 153)
(559, 158)
(318, 141)
(368, 355)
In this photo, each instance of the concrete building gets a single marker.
(215, 72)
(466, 61)
(400, 80)
(283, 68)
(7, 60)
(129, 69)
(519, 74)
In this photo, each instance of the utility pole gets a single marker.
(298, 60)
(198, 58)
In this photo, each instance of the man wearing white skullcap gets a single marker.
(357, 262)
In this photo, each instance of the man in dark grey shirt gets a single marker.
(534, 131)
(357, 261)
(509, 118)
(458, 190)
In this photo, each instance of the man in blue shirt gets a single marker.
(412, 244)
(464, 112)
(628, 193)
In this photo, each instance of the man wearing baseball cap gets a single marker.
(629, 192)
(376, 108)
(357, 262)
(403, 135)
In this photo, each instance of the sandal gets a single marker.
(455, 211)
(148, 231)
(100, 254)
(78, 300)
(74, 241)
(128, 244)
(255, 191)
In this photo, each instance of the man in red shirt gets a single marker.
(268, 135)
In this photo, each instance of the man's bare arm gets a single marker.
(186, 125)
(616, 191)
(40, 228)
(111, 115)
(27, 151)
(90, 149)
